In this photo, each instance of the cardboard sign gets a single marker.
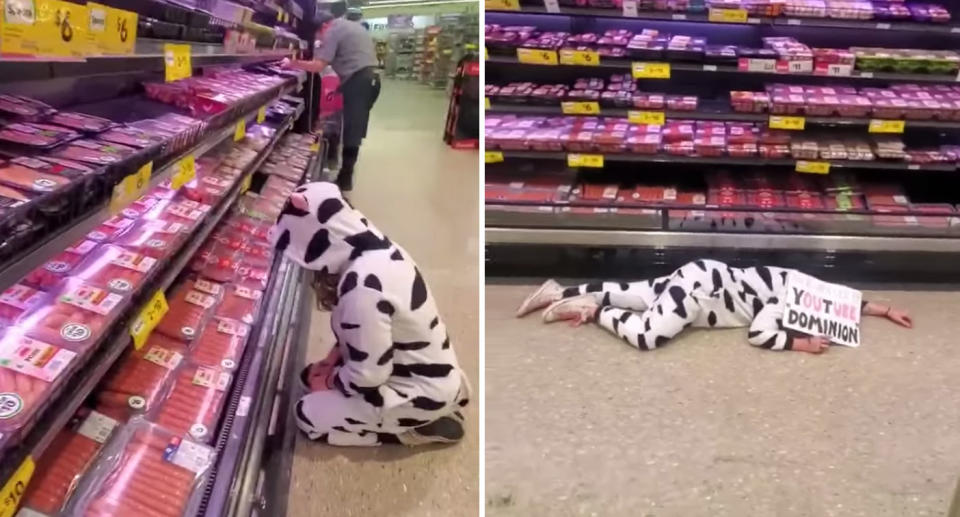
(818, 308)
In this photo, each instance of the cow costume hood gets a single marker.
(319, 230)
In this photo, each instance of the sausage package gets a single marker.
(37, 136)
(30, 180)
(240, 303)
(220, 344)
(216, 262)
(156, 239)
(79, 315)
(82, 122)
(189, 311)
(52, 272)
(92, 151)
(145, 471)
(115, 268)
(65, 460)
(193, 404)
(17, 300)
(135, 383)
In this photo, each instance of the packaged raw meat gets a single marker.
(24, 108)
(240, 303)
(37, 136)
(54, 166)
(116, 268)
(29, 370)
(156, 239)
(189, 311)
(216, 263)
(56, 269)
(220, 344)
(92, 151)
(111, 229)
(252, 277)
(17, 300)
(77, 318)
(65, 460)
(145, 471)
(254, 228)
(30, 180)
(82, 122)
(193, 405)
(185, 212)
(131, 136)
(135, 383)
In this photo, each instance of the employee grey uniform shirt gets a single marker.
(347, 47)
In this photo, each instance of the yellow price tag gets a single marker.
(44, 28)
(150, 315)
(486, 103)
(645, 70)
(245, 186)
(279, 15)
(585, 160)
(112, 31)
(653, 118)
(788, 123)
(240, 132)
(501, 5)
(315, 148)
(813, 167)
(176, 62)
(532, 56)
(186, 170)
(728, 15)
(15, 487)
(261, 115)
(579, 57)
(486, 55)
(130, 188)
(886, 126)
(492, 157)
(580, 108)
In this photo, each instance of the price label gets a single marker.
(645, 70)
(580, 108)
(130, 188)
(653, 118)
(486, 103)
(44, 28)
(149, 316)
(837, 70)
(886, 126)
(579, 57)
(813, 167)
(19, 12)
(15, 487)
(728, 15)
(240, 132)
(745, 64)
(176, 59)
(185, 171)
(788, 123)
(114, 30)
(585, 160)
(245, 186)
(630, 8)
(532, 56)
(261, 115)
(492, 157)
(501, 5)
(552, 6)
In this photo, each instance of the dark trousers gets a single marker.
(360, 93)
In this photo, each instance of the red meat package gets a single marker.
(111, 229)
(136, 382)
(217, 263)
(254, 228)
(220, 344)
(189, 311)
(186, 212)
(78, 317)
(82, 122)
(146, 471)
(29, 371)
(240, 303)
(30, 180)
(68, 457)
(17, 300)
(24, 108)
(156, 239)
(40, 136)
(131, 136)
(54, 166)
(92, 151)
(194, 402)
(56, 269)
(252, 276)
(117, 269)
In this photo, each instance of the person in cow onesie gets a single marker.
(392, 376)
(702, 294)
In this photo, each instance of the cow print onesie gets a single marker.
(399, 370)
(702, 293)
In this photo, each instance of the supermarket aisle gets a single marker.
(424, 196)
(709, 426)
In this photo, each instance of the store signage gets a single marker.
(788, 123)
(810, 167)
(645, 70)
(130, 188)
(111, 31)
(579, 57)
(492, 157)
(818, 308)
(261, 114)
(533, 56)
(630, 8)
(652, 118)
(886, 126)
(176, 60)
(727, 15)
(15, 487)
(240, 131)
(580, 108)
(147, 320)
(184, 171)
(585, 160)
(44, 28)
(552, 6)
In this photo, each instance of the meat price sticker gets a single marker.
(818, 308)
(501, 5)
(580, 108)
(44, 28)
(644, 70)
(651, 118)
(185, 171)
(579, 57)
(886, 126)
(727, 15)
(809, 167)
(130, 188)
(176, 60)
(15, 487)
(112, 31)
(532, 56)
(492, 157)
(585, 160)
(240, 132)
(788, 123)
(151, 314)
(261, 114)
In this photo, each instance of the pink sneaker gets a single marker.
(548, 293)
(579, 309)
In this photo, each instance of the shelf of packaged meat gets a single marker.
(854, 15)
(42, 223)
(84, 318)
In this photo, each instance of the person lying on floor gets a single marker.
(702, 294)
(392, 376)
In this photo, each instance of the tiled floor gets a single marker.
(580, 424)
(425, 197)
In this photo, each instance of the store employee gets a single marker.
(348, 48)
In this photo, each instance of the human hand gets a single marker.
(317, 378)
(900, 318)
(812, 344)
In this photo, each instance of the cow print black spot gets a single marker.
(385, 307)
(355, 354)
(349, 283)
(283, 241)
(372, 282)
(418, 293)
(427, 404)
(318, 245)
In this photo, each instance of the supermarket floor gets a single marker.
(424, 196)
(579, 423)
